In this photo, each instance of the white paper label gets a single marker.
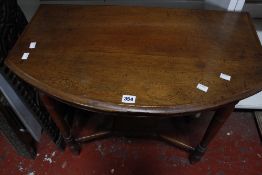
(225, 76)
(32, 45)
(202, 87)
(25, 56)
(128, 99)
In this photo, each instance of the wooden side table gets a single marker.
(136, 61)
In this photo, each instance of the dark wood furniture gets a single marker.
(90, 56)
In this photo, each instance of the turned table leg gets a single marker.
(61, 124)
(216, 123)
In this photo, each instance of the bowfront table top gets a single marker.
(91, 56)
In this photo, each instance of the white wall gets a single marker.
(29, 7)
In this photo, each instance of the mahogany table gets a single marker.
(92, 56)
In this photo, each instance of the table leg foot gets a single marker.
(216, 123)
(196, 155)
(73, 145)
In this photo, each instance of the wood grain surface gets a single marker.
(90, 56)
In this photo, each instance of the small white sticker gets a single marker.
(32, 45)
(202, 87)
(225, 76)
(22, 130)
(128, 99)
(25, 56)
